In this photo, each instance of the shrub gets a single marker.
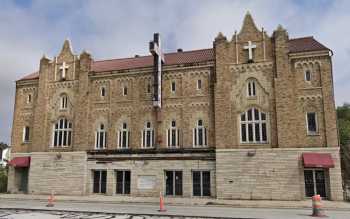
(3, 180)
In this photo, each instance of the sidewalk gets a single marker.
(330, 205)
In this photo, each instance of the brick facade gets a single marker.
(282, 94)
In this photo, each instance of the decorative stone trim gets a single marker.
(63, 84)
(259, 66)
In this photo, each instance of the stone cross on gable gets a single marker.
(250, 48)
(64, 68)
(158, 59)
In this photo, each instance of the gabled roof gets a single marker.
(194, 56)
(305, 44)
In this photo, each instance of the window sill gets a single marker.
(26, 142)
(313, 134)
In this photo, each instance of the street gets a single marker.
(19, 209)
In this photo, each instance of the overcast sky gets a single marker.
(112, 29)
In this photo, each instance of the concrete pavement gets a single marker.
(330, 205)
(172, 210)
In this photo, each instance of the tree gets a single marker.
(343, 113)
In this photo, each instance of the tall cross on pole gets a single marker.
(64, 68)
(158, 59)
(250, 48)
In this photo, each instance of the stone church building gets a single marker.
(253, 117)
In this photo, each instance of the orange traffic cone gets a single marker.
(50, 201)
(161, 203)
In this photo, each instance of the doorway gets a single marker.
(21, 175)
(315, 182)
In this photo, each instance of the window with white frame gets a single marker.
(123, 137)
(64, 101)
(173, 135)
(103, 91)
(199, 135)
(253, 124)
(125, 90)
(148, 136)
(251, 88)
(199, 84)
(100, 137)
(311, 123)
(173, 86)
(62, 133)
(307, 75)
(26, 134)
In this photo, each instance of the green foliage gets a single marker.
(3, 179)
(343, 114)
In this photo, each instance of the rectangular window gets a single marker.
(100, 142)
(123, 181)
(199, 137)
(147, 138)
(99, 181)
(173, 137)
(125, 91)
(311, 123)
(307, 75)
(173, 183)
(199, 84)
(201, 183)
(26, 134)
(123, 139)
(315, 182)
(173, 87)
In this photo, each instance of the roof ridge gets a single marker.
(300, 38)
(142, 56)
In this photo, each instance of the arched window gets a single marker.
(123, 137)
(64, 101)
(29, 98)
(173, 135)
(251, 88)
(200, 135)
(253, 126)
(62, 133)
(148, 136)
(307, 75)
(100, 137)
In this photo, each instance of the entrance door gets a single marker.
(23, 187)
(315, 182)
(173, 182)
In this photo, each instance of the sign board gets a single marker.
(146, 182)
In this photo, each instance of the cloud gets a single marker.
(110, 29)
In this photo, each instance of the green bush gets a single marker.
(3, 180)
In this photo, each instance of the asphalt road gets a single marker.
(145, 210)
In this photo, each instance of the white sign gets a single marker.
(146, 182)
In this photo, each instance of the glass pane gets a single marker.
(309, 183)
(257, 132)
(243, 132)
(249, 89)
(69, 138)
(55, 139)
(311, 117)
(64, 138)
(127, 182)
(264, 132)
(206, 183)
(263, 116)
(60, 138)
(101, 139)
(169, 183)
(256, 114)
(119, 189)
(96, 183)
(243, 117)
(195, 136)
(320, 182)
(178, 182)
(148, 138)
(124, 139)
(200, 136)
(103, 181)
(250, 132)
(250, 115)
(173, 137)
(200, 122)
(196, 183)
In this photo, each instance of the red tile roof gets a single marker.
(305, 44)
(194, 56)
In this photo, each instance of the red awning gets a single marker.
(20, 162)
(318, 160)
